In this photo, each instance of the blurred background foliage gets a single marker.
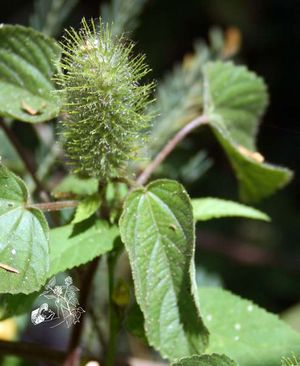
(257, 260)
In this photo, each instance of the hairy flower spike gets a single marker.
(104, 103)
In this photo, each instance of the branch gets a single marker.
(86, 286)
(22, 153)
(53, 206)
(169, 147)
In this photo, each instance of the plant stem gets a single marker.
(113, 314)
(53, 206)
(22, 153)
(87, 283)
(169, 147)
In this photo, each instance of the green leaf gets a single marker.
(23, 238)
(13, 305)
(73, 245)
(134, 322)
(9, 155)
(234, 101)
(246, 333)
(205, 360)
(27, 63)
(87, 208)
(214, 208)
(158, 231)
(76, 185)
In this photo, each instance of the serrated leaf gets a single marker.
(87, 208)
(234, 101)
(205, 360)
(73, 184)
(214, 208)
(158, 231)
(73, 245)
(23, 238)
(246, 333)
(27, 60)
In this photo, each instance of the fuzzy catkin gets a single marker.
(103, 101)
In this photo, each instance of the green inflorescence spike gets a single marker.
(104, 102)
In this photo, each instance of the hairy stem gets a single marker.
(53, 206)
(169, 147)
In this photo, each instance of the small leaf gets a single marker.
(27, 63)
(234, 101)
(23, 238)
(87, 208)
(73, 184)
(205, 360)
(213, 208)
(134, 322)
(161, 259)
(73, 245)
(246, 333)
(13, 305)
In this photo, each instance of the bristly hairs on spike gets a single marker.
(103, 101)
(291, 361)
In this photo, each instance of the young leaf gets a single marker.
(234, 100)
(87, 208)
(73, 184)
(205, 360)
(23, 238)
(13, 305)
(214, 208)
(246, 333)
(73, 245)
(27, 60)
(158, 231)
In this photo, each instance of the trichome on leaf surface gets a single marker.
(128, 244)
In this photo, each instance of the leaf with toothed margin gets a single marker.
(23, 238)
(73, 245)
(27, 63)
(234, 100)
(157, 228)
(205, 360)
(245, 332)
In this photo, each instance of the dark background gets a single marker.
(271, 43)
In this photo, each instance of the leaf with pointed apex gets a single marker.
(27, 63)
(214, 208)
(87, 208)
(234, 101)
(158, 231)
(73, 245)
(246, 333)
(205, 360)
(23, 238)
